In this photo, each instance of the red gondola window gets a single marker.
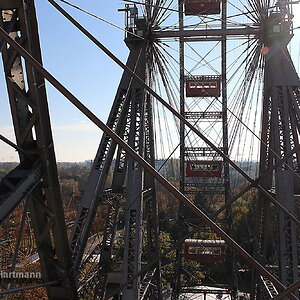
(202, 7)
(203, 86)
(204, 250)
(204, 169)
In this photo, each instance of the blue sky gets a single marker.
(82, 68)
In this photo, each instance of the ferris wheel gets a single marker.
(209, 98)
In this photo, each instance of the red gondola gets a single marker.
(204, 250)
(203, 86)
(202, 7)
(203, 169)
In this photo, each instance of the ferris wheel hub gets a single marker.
(276, 29)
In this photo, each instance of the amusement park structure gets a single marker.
(124, 259)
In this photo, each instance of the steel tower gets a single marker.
(280, 135)
(127, 145)
(36, 175)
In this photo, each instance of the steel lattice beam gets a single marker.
(245, 31)
(37, 172)
(119, 141)
(281, 131)
(147, 167)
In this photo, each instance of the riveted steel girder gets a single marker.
(36, 176)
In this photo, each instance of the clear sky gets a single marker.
(82, 68)
(85, 70)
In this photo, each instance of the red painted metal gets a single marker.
(203, 86)
(203, 169)
(204, 250)
(202, 7)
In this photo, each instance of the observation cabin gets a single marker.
(203, 86)
(202, 7)
(204, 250)
(206, 169)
